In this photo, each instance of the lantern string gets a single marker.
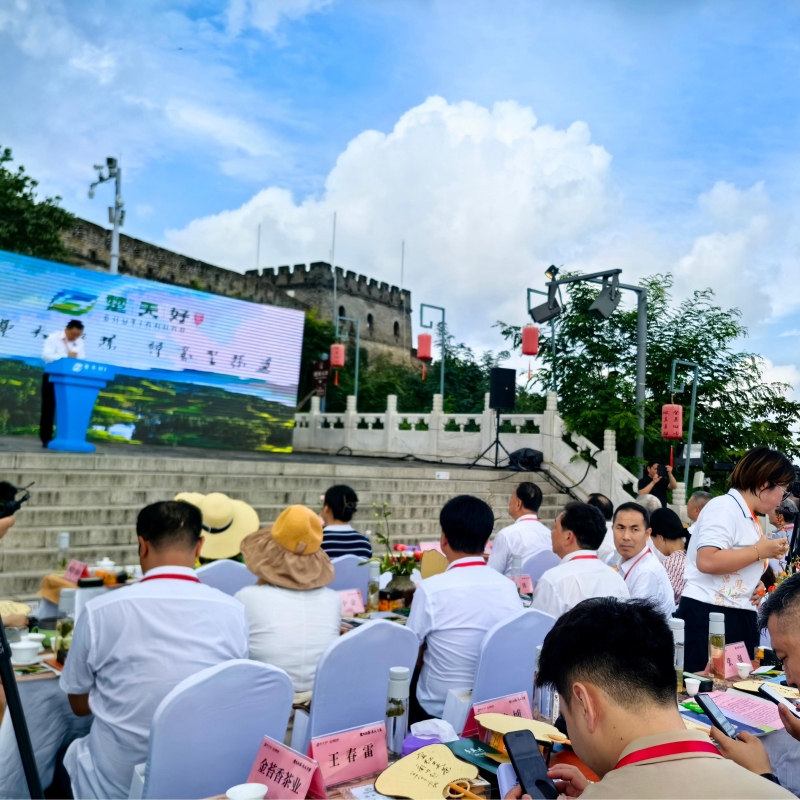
(423, 372)
(336, 378)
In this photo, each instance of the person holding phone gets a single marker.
(658, 479)
(728, 553)
(611, 662)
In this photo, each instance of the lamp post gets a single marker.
(430, 325)
(679, 389)
(116, 215)
(340, 335)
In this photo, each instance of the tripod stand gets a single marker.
(497, 444)
(9, 682)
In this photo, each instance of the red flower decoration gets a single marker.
(400, 547)
(418, 555)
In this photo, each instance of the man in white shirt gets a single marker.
(66, 343)
(133, 645)
(452, 612)
(579, 530)
(694, 505)
(527, 536)
(641, 570)
(607, 553)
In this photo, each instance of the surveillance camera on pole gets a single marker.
(116, 215)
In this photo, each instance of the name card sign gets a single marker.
(525, 584)
(736, 653)
(351, 754)
(75, 571)
(286, 773)
(512, 705)
(352, 601)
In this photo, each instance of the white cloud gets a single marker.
(481, 196)
(265, 15)
(783, 373)
(793, 332)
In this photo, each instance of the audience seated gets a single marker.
(607, 553)
(611, 662)
(697, 502)
(669, 540)
(292, 616)
(132, 646)
(641, 570)
(527, 536)
(452, 611)
(578, 532)
(339, 536)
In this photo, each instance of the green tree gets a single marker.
(318, 336)
(596, 369)
(28, 226)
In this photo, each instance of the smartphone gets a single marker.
(714, 713)
(765, 690)
(529, 765)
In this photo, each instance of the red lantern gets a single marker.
(672, 421)
(424, 347)
(337, 355)
(530, 341)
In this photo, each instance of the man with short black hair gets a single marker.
(66, 343)
(527, 536)
(607, 553)
(452, 611)
(578, 532)
(656, 483)
(640, 568)
(132, 646)
(612, 663)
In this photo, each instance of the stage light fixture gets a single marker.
(607, 301)
(549, 310)
(552, 272)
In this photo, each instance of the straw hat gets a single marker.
(225, 523)
(289, 553)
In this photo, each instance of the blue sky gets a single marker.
(656, 137)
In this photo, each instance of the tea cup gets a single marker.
(25, 651)
(247, 791)
(743, 669)
(692, 686)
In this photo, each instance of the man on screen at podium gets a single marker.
(65, 343)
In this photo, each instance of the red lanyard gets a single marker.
(528, 516)
(625, 574)
(172, 576)
(579, 558)
(663, 750)
(471, 564)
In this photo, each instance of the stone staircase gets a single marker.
(97, 498)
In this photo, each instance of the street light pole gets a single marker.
(673, 389)
(340, 335)
(116, 215)
(430, 325)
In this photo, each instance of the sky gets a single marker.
(493, 137)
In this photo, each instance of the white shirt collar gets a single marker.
(570, 556)
(345, 527)
(476, 560)
(627, 564)
(528, 516)
(170, 570)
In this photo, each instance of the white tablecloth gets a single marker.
(51, 725)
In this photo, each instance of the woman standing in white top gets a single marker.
(728, 553)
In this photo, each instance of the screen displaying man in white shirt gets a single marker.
(643, 573)
(66, 343)
(527, 536)
(578, 532)
(133, 645)
(452, 612)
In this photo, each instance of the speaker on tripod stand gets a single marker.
(502, 397)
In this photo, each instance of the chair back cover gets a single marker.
(349, 575)
(539, 563)
(226, 575)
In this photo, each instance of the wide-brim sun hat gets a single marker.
(289, 552)
(226, 522)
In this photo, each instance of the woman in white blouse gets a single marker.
(728, 553)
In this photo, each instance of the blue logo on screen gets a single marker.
(74, 303)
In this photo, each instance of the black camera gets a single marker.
(662, 471)
(9, 503)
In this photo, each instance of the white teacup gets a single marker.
(247, 791)
(744, 670)
(692, 686)
(25, 651)
(37, 637)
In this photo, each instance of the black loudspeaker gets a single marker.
(502, 388)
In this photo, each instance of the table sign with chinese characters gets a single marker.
(75, 571)
(351, 754)
(286, 773)
(735, 653)
(525, 584)
(352, 601)
(514, 705)
(424, 774)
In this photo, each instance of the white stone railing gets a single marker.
(460, 438)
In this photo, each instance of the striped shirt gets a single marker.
(342, 540)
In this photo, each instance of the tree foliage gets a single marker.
(596, 371)
(28, 226)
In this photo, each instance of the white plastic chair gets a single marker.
(537, 564)
(352, 679)
(349, 575)
(507, 658)
(206, 732)
(226, 575)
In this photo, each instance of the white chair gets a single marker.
(507, 658)
(349, 575)
(537, 564)
(226, 575)
(352, 679)
(206, 732)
